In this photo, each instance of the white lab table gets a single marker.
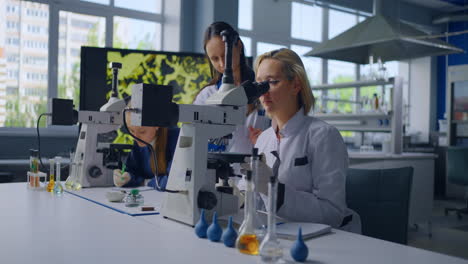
(38, 227)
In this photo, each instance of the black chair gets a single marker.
(381, 198)
(457, 173)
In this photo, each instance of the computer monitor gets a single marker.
(186, 72)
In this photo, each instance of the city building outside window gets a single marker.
(27, 47)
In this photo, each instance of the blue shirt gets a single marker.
(138, 162)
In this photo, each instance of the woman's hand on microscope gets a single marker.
(120, 179)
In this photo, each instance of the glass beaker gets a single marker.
(79, 174)
(247, 241)
(71, 172)
(134, 198)
(270, 249)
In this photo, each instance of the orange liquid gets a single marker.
(248, 244)
(51, 185)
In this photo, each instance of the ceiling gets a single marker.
(441, 5)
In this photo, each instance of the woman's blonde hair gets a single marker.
(292, 68)
(159, 146)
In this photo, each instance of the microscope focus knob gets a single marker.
(94, 172)
(206, 200)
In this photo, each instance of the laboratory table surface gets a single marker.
(39, 227)
(390, 156)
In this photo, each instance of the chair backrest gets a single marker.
(457, 165)
(381, 198)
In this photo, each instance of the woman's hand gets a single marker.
(120, 179)
(253, 134)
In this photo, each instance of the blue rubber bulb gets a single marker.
(229, 235)
(201, 226)
(214, 230)
(299, 250)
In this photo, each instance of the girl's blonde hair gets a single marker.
(159, 146)
(292, 68)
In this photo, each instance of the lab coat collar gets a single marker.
(293, 125)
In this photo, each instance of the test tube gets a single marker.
(58, 189)
(51, 185)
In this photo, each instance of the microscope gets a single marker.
(96, 156)
(194, 171)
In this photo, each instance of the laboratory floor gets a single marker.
(449, 235)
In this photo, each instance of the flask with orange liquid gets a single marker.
(247, 241)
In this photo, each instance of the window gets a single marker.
(78, 30)
(13, 58)
(263, 47)
(136, 34)
(340, 22)
(247, 45)
(313, 66)
(26, 50)
(152, 6)
(246, 16)
(102, 2)
(340, 72)
(25, 86)
(306, 22)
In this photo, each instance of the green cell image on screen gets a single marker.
(187, 73)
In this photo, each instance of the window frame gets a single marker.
(86, 8)
(288, 41)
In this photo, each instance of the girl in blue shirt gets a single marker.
(140, 167)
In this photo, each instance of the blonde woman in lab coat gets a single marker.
(313, 156)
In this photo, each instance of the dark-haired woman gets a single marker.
(245, 136)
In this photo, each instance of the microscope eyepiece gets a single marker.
(254, 90)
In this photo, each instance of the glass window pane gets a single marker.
(76, 30)
(247, 45)
(306, 22)
(245, 14)
(136, 34)
(391, 68)
(338, 100)
(341, 71)
(102, 2)
(313, 66)
(340, 22)
(152, 6)
(24, 43)
(263, 47)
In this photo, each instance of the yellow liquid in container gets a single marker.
(51, 185)
(69, 183)
(76, 186)
(248, 244)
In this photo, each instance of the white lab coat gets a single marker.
(314, 161)
(240, 142)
